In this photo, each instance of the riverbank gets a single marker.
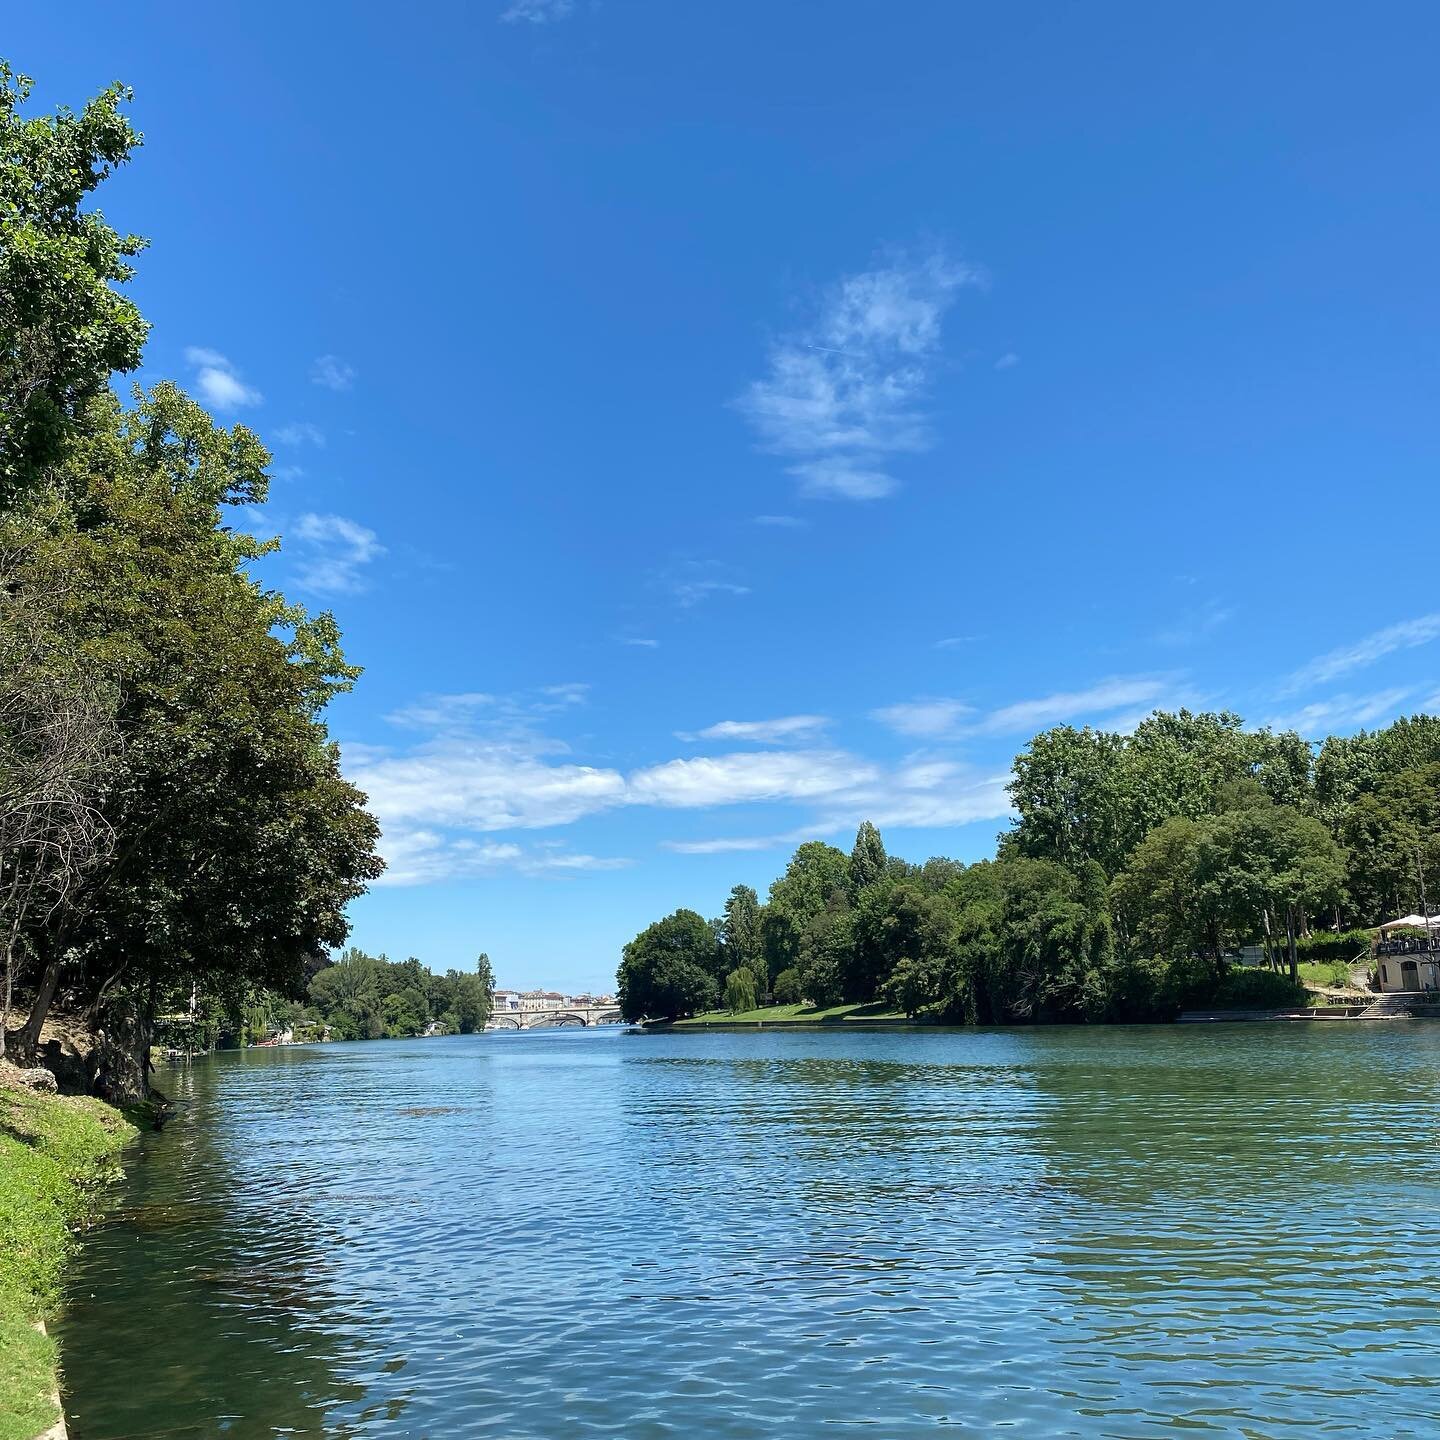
(55, 1153)
(794, 1015)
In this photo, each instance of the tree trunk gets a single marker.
(28, 1041)
(9, 990)
(1290, 943)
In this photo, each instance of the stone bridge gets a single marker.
(539, 1019)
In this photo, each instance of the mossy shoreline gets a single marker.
(56, 1154)
(796, 1016)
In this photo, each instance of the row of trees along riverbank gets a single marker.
(172, 812)
(1137, 863)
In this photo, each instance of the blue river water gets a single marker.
(1129, 1232)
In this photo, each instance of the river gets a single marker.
(1093, 1232)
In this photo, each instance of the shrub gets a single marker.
(787, 987)
(1326, 945)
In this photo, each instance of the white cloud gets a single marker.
(485, 784)
(423, 857)
(797, 775)
(954, 642)
(218, 382)
(301, 432)
(562, 697)
(442, 712)
(928, 718)
(1008, 361)
(765, 732)
(842, 396)
(1030, 716)
(692, 592)
(641, 641)
(484, 770)
(332, 372)
(331, 552)
(943, 718)
(782, 522)
(1343, 712)
(537, 12)
(1404, 636)
(738, 844)
(928, 794)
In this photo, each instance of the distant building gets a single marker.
(1405, 961)
(542, 1000)
(507, 1000)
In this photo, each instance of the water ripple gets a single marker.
(1117, 1233)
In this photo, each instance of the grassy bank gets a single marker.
(55, 1151)
(798, 1015)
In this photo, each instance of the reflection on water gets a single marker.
(1118, 1232)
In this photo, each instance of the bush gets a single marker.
(787, 987)
(1326, 945)
(1247, 989)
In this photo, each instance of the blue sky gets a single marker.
(716, 424)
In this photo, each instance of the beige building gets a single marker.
(1408, 962)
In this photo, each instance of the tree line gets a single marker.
(1136, 867)
(172, 810)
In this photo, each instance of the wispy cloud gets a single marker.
(1121, 693)
(692, 592)
(692, 582)
(940, 718)
(738, 844)
(764, 732)
(929, 719)
(442, 712)
(1330, 666)
(954, 642)
(482, 767)
(218, 381)
(1343, 712)
(1008, 361)
(644, 642)
(842, 397)
(537, 12)
(332, 553)
(1197, 624)
(782, 522)
(422, 857)
(301, 432)
(332, 372)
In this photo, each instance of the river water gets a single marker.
(1094, 1232)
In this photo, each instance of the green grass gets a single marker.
(1334, 973)
(54, 1153)
(797, 1015)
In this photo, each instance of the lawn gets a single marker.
(798, 1015)
(54, 1153)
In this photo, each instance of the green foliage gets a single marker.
(867, 859)
(742, 935)
(670, 969)
(740, 990)
(787, 987)
(1323, 946)
(64, 328)
(232, 842)
(367, 997)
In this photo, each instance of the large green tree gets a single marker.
(668, 970)
(64, 328)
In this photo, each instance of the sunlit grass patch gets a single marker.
(54, 1152)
